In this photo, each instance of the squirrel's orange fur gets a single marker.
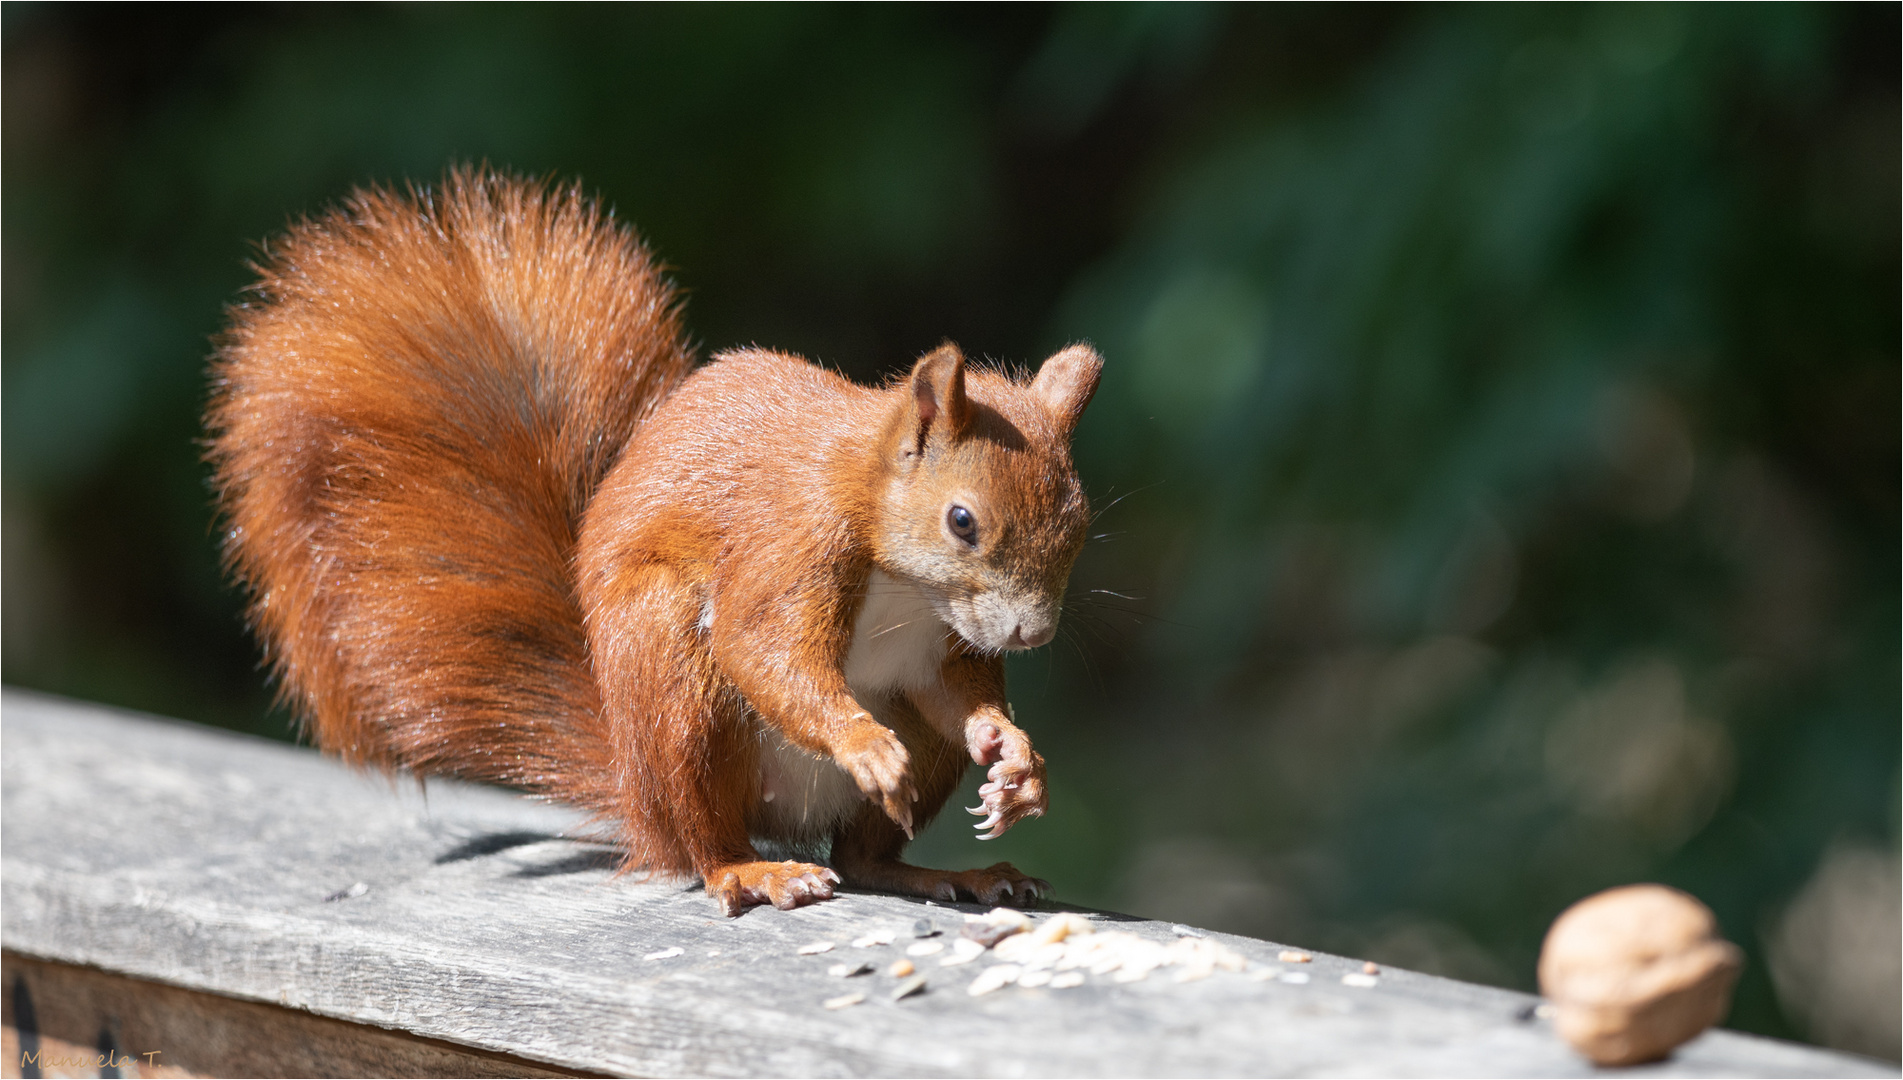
(494, 528)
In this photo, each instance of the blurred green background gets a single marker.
(1498, 449)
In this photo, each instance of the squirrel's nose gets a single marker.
(1032, 637)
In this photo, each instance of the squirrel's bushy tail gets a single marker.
(409, 415)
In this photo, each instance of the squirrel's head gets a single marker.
(982, 507)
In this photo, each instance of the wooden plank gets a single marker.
(65, 1020)
(229, 865)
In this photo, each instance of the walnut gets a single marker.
(1635, 971)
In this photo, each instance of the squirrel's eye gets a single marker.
(962, 524)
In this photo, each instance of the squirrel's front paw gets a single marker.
(878, 762)
(1014, 786)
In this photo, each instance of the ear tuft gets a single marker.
(1065, 383)
(938, 397)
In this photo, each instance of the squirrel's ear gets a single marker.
(1066, 382)
(938, 395)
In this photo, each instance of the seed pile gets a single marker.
(1061, 952)
(1069, 944)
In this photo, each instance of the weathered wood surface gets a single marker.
(168, 852)
(68, 1018)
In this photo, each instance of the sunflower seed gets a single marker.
(845, 1000)
(994, 977)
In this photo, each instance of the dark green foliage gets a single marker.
(1499, 437)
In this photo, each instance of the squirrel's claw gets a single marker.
(1015, 791)
(1000, 883)
(879, 764)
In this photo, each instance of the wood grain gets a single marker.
(202, 860)
(72, 1015)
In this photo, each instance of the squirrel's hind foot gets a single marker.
(1000, 883)
(785, 885)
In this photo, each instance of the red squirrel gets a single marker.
(495, 523)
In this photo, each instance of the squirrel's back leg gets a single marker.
(686, 763)
(867, 845)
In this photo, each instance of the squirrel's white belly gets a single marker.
(802, 796)
(898, 642)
